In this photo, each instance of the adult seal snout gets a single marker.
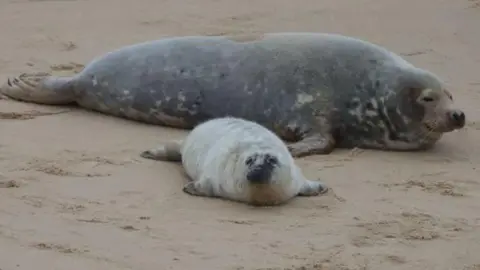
(238, 160)
(316, 91)
(457, 117)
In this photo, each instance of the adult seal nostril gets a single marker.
(459, 118)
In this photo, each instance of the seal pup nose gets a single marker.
(259, 175)
(260, 168)
(458, 118)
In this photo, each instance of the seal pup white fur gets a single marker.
(240, 160)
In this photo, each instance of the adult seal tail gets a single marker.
(238, 160)
(316, 91)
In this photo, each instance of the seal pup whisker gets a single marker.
(238, 160)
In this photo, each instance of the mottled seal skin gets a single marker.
(316, 91)
(238, 160)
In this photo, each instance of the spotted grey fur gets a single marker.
(317, 91)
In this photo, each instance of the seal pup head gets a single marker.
(260, 167)
(267, 176)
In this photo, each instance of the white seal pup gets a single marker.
(239, 160)
(316, 91)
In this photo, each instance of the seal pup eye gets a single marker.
(249, 161)
(270, 160)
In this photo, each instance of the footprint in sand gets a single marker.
(27, 115)
(9, 184)
(71, 68)
(58, 248)
(406, 228)
(433, 183)
(75, 164)
(5, 182)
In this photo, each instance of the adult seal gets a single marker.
(316, 91)
(239, 160)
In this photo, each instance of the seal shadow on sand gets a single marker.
(325, 201)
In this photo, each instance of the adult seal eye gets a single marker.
(249, 161)
(428, 99)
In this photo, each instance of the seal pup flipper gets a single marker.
(315, 144)
(171, 151)
(313, 188)
(41, 88)
(201, 188)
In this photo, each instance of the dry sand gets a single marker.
(76, 195)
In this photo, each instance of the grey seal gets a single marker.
(239, 160)
(317, 91)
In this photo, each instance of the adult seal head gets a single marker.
(316, 91)
(238, 160)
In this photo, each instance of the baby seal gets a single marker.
(239, 160)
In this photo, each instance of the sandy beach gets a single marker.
(75, 194)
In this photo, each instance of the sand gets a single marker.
(74, 193)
